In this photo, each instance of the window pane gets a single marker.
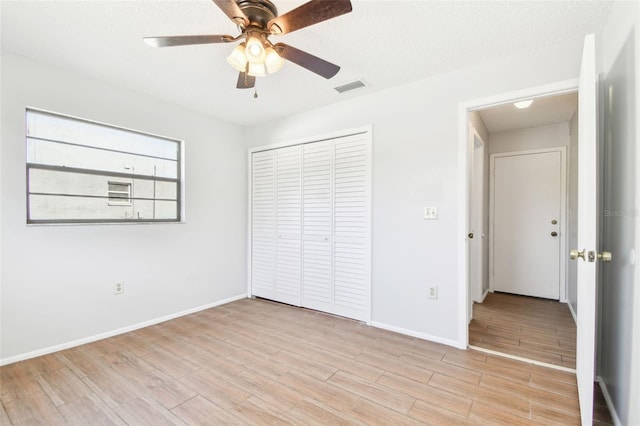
(81, 171)
(57, 207)
(58, 154)
(119, 187)
(60, 182)
(166, 209)
(67, 129)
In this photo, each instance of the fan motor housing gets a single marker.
(259, 12)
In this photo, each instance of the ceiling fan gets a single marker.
(255, 55)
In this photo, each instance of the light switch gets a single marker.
(430, 213)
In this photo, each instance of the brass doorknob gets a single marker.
(574, 254)
(605, 256)
(554, 234)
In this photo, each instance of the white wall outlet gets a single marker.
(433, 292)
(430, 213)
(119, 288)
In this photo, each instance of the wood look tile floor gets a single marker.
(529, 327)
(259, 362)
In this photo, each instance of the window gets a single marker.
(79, 171)
(119, 194)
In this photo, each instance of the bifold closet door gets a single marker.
(263, 225)
(288, 209)
(352, 227)
(317, 213)
(311, 225)
(276, 244)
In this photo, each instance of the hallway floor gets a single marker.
(529, 327)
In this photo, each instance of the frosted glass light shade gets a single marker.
(273, 61)
(255, 51)
(257, 70)
(237, 59)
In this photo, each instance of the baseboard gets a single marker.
(115, 332)
(417, 334)
(573, 313)
(484, 295)
(607, 398)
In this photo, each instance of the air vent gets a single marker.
(350, 86)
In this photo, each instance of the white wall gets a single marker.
(415, 164)
(540, 137)
(58, 281)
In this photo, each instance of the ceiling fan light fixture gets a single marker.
(238, 59)
(272, 60)
(255, 51)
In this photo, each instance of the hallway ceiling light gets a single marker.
(523, 104)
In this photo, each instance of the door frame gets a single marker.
(465, 155)
(562, 291)
(477, 218)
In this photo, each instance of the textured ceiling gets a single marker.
(384, 43)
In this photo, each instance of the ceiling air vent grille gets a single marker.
(350, 86)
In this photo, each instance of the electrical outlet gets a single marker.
(119, 288)
(433, 292)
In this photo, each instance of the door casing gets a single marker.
(464, 186)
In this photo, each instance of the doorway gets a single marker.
(522, 294)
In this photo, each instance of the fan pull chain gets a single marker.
(255, 89)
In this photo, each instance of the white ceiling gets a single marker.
(543, 111)
(384, 43)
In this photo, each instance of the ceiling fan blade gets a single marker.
(186, 40)
(308, 14)
(231, 9)
(245, 81)
(307, 60)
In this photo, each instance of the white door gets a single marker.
(288, 197)
(317, 234)
(587, 225)
(263, 225)
(352, 227)
(527, 199)
(476, 221)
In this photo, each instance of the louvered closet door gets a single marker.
(311, 221)
(352, 227)
(288, 224)
(263, 253)
(317, 263)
